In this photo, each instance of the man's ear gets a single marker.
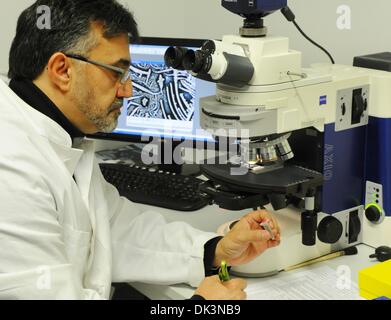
(59, 71)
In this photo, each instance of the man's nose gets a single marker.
(125, 90)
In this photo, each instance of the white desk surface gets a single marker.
(209, 219)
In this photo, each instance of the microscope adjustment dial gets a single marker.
(374, 213)
(330, 230)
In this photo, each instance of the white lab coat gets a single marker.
(61, 239)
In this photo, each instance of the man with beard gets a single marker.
(65, 232)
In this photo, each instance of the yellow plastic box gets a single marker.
(375, 282)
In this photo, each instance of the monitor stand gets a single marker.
(167, 163)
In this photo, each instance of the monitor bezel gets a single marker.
(133, 138)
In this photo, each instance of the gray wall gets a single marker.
(370, 24)
(9, 13)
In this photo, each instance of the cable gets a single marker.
(290, 16)
(313, 42)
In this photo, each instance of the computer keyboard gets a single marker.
(157, 188)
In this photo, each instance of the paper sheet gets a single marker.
(310, 283)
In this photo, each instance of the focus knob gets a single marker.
(330, 230)
(374, 213)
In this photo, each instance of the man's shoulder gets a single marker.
(20, 152)
(14, 120)
(19, 118)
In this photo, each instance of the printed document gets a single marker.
(308, 283)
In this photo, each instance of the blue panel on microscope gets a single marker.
(344, 169)
(378, 161)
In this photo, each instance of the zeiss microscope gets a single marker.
(302, 131)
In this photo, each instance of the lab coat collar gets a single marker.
(84, 168)
(36, 98)
(45, 128)
(70, 156)
(41, 124)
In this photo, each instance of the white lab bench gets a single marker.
(209, 219)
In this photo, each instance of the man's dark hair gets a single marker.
(70, 30)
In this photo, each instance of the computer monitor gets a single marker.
(165, 102)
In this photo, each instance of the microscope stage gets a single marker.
(287, 180)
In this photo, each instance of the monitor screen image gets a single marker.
(165, 101)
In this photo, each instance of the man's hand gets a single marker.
(213, 289)
(247, 239)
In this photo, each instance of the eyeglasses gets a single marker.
(123, 74)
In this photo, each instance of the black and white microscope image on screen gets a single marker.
(160, 92)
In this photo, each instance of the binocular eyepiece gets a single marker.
(199, 61)
(214, 62)
(174, 57)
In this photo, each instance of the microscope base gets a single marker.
(376, 235)
(290, 252)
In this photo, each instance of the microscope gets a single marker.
(302, 136)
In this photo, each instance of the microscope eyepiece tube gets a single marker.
(198, 61)
(173, 57)
(215, 61)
